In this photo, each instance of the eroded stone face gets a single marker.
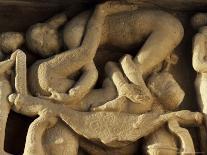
(139, 97)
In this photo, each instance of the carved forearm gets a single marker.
(86, 81)
(100, 96)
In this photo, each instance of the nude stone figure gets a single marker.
(69, 59)
(166, 95)
(200, 65)
(91, 125)
(51, 80)
(125, 30)
(9, 42)
(42, 69)
(121, 127)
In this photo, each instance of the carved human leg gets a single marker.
(128, 127)
(35, 134)
(97, 97)
(5, 91)
(75, 59)
(69, 61)
(162, 32)
(183, 134)
(157, 46)
(132, 98)
(61, 140)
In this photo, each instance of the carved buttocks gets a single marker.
(105, 78)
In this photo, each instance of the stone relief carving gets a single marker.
(139, 97)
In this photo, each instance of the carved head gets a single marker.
(199, 20)
(43, 40)
(10, 41)
(203, 30)
(166, 89)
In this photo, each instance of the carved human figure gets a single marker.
(158, 46)
(84, 123)
(50, 79)
(73, 60)
(44, 38)
(9, 42)
(125, 30)
(166, 95)
(110, 128)
(200, 65)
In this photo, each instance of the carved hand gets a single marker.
(184, 117)
(63, 97)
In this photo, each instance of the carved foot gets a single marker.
(119, 105)
(184, 117)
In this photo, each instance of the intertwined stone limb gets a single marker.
(121, 127)
(97, 97)
(54, 72)
(35, 134)
(132, 98)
